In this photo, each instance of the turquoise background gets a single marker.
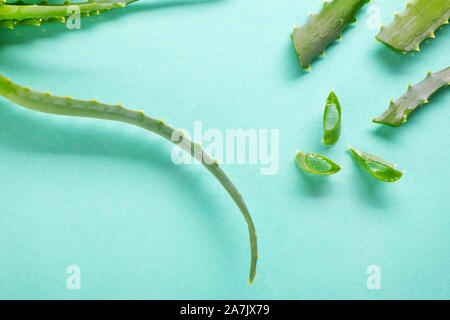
(106, 196)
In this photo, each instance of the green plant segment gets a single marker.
(419, 21)
(44, 102)
(22, 13)
(323, 28)
(376, 166)
(316, 164)
(398, 110)
(331, 120)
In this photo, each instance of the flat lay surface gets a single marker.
(108, 198)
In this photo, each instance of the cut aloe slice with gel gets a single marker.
(376, 166)
(316, 164)
(331, 120)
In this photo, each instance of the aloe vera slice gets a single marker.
(418, 22)
(316, 164)
(323, 28)
(331, 120)
(399, 110)
(376, 166)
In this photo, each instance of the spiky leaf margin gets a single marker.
(419, 21)
(47, 103)
(323, 28)
(398, 110)
(21, 13)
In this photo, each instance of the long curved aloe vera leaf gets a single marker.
(376, 166)
(22, 13)
(398, 110)
(44, 102)
(323, 28)
(419, 21)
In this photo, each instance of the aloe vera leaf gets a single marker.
(398, 110)
(376, 166)
(321, 29)
(316, 164)
(331, 120)
(22, 13)
(419, 21)
(44, 102)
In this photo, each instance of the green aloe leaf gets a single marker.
(21, 13)
(376, 166)
(323, 28)
(66, 106)
(399, 110)
(316, 164)
(418, 22)
(331, 120)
